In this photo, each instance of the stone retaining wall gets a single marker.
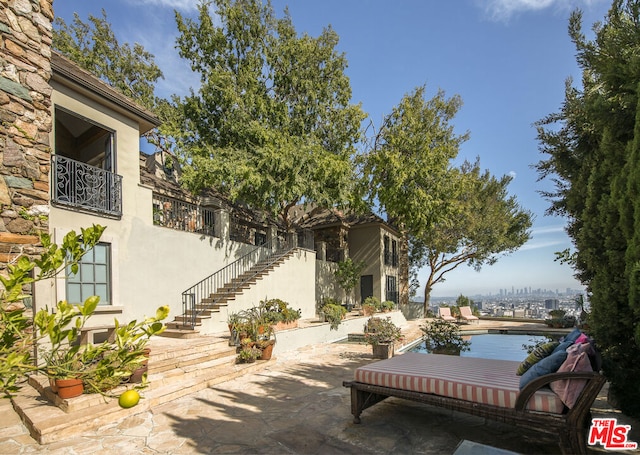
(25, 124)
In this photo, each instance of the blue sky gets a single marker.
(507, 59)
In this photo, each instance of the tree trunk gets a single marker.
(427, 299)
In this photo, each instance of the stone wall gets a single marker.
(25, 124)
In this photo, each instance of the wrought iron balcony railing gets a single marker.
(79, 185)
(182, 216)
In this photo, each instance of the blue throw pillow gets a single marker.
(547, 365)
(562, 346)
(572, 336)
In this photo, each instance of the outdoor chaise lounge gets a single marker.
(467, 315)
(445, 313)
(484, 387)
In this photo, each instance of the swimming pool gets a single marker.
(494, 346)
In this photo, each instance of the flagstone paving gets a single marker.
(296, 406)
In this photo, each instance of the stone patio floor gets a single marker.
(296, 406)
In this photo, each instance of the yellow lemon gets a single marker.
(129, 399)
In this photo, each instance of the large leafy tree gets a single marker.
(94, 46)
(129, 69)
(408, 170)
(271, 124)
(483, 224)
(592, 148)
(451, 216)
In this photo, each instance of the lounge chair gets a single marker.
(467, 315)
(483, 387)
(445, 313)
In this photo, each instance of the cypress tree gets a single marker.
(594, 158)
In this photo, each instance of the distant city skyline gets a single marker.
(515, 292)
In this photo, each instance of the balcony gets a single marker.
(83, 187)
(182, 216)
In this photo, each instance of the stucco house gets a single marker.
(139, 264)
(71, 158)
(365, 238)
(330, 234)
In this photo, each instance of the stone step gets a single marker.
(202, 311)
(175, 332)
(161, 348)
(47, 423)
(201, 380)
(179, 325)
(12, 426)
(221, 299)
(186, 319)
(191, 371)
(191, 358)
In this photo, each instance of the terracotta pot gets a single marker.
(285, 325)
(368, 311)
(136, 376)
(267, 351)
(69, 388)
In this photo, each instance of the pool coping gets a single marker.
(497, 331)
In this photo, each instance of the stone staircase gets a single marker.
(213, 310)
(176, 368)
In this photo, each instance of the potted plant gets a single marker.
(130, 354)
(255, 327)
(266, 348)
(334, 314)
(64, 359)
(443, 337)
(370, 306)
(248, 354)
(289, 319)
(99, 367)
(17, 337)
(348, 276)
(387, 306)
(382, 334)
(65, 370)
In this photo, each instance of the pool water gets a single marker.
(494, 346)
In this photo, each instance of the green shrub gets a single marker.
(381, 331)
(443, 337)
(333, 314)
(387, 305)
(374, 301)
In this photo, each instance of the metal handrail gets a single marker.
(231, 277)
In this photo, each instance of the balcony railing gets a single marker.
(182, 216)
(79, 185)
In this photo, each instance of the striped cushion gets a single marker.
(486, 381)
